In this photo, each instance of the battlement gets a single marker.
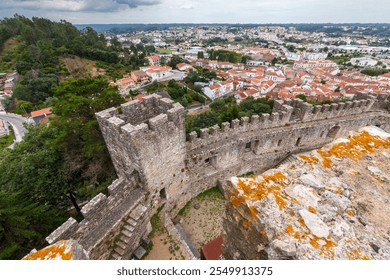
(304, 112)
(139, 118)
(137, 112)
(238, 127)
(94, 211)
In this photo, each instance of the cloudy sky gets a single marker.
(201, 11)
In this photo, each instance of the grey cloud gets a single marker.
(136, 3)
(77, 5)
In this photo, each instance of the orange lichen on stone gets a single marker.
(313, 242)
(298, 236)
(350, 212)
(289, 229)
(357, 146)
(57, 251)
(301, 222)
(309, 159)
(263, 233)
(311, 209)
(236, 199)
(253, 190)
(245, 224)
(326, 249)
(356, 255)
(253, 211)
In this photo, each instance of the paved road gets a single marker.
(17, 124)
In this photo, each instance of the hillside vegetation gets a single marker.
(46, 52)
(56, 166)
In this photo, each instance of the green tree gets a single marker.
(23, 107)
(24, 224)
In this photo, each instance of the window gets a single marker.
(207, 161)
(248, 146)
(298, 141)
(279, 142)
(163, 194)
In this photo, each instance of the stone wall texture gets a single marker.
(158, 164)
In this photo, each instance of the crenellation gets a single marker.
(133, 131)
(306, 110)
(264, 120)
(214, 130)
(255, 120)
(158, 123)
(278, 106)
(334, 109)
(116, 187)
(204, 133)
(244, 122)
(95, 207)
(225, 126)
(274, 119)
(286, 115)
(108, 113)
(166, 104)
(192, 136)
(65, 231)
(234, 124)
(176, 114)
(115, 123)
(150, 101)
(326, 112)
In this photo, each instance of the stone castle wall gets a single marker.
(157, 165)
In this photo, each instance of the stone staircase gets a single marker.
(289, 158)
(130, 235)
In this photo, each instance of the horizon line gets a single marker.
(220, 23)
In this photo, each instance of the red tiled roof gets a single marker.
(153, 57)
(139, 97)
(213, 249)
(46, 111)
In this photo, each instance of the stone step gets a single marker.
(125, 238)
(138, 212)
(289, 159)
(128, 227)
(132, 222)
(116, 256)
(127, 233)
(121, 244)
(119, 251)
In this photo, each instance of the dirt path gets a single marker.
(160, 251)
(205, 223)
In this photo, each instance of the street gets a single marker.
(17, 124)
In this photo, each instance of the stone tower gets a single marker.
(146, 141)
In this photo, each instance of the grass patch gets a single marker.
(183, 211)
(7, 141)
(248, 174)
(210, 193)
(165, 51)
(157, 226)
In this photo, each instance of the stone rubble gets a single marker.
(327, 204)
